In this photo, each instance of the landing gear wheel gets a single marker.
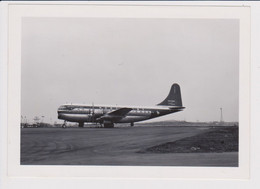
(64, 125)
(109, 125)
(81, 124)
(132, 124)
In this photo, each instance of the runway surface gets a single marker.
(117, 146)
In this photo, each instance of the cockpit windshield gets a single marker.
(62, 108)
(66, 107)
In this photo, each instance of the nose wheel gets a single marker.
(64, 125)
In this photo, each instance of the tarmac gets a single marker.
(116, 146)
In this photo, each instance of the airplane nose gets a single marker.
(59, 111)
(59, 115)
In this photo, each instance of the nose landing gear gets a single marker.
(64, 124)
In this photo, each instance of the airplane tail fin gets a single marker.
(174, 97)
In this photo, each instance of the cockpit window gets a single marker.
(62, 108)
(65, 108)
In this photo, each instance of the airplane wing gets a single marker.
(119, 112)
(115, 115)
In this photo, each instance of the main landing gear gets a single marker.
(132, 124)
(108, 125)
(81, 124)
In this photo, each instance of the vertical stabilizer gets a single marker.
(173, 98)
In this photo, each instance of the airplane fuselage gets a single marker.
(108, 115)
(89, 113)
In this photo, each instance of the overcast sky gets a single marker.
(130, 62)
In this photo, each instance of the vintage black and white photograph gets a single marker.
(129, 91)
(129, 94)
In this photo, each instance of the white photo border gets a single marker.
(16, 12)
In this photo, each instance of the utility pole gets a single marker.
(221, 116)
